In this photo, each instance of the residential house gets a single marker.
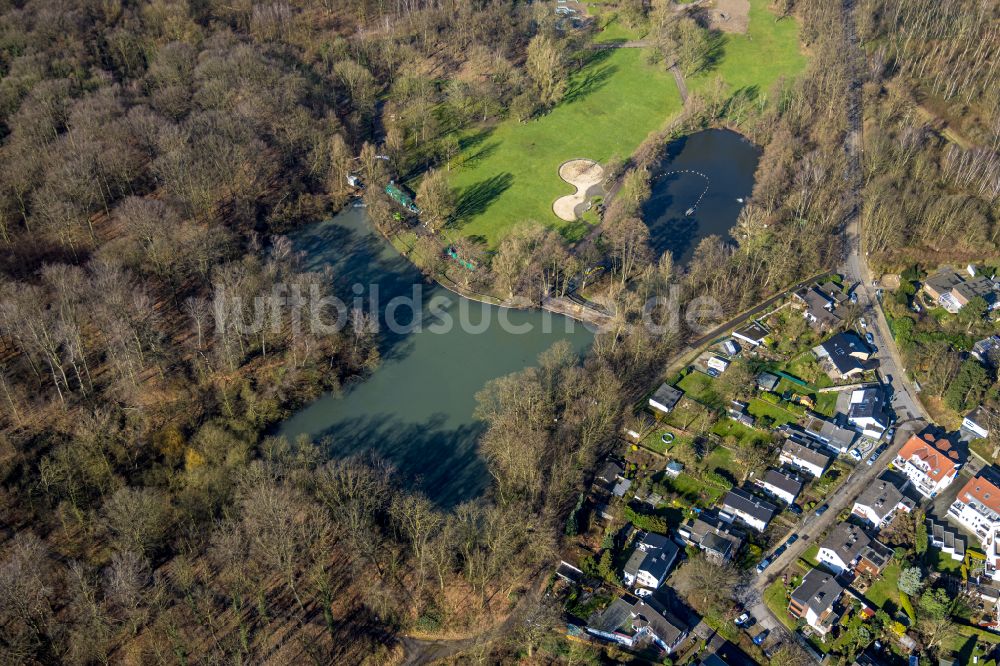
(976, 424)
(611, 477)
(940, 284)
(666, 398)
(805, 458)
(867, 411)
(731, 347)
(816, 601)
(873, 560)
(977, 509)
(717, 363)
(987, 351)
(829, 434)
(781, 485)
(842, 547)
(650, 562)
(636, 623)
(880, 500)
(753, 334)
(767, 381)
(718, 539)
(943, 536)
(817, 308)
(844, 355)
(753, 511)
(930, 465)
(952, 292)
(738, 412)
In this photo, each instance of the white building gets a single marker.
(977, 422)
(801, 456)
(783, 486)
(842, 547)
(930, 466)
(879, 501)
(650, 562)
(717, 363)
(816, 600)
(753, 511)
(867, 412)
(977, 509)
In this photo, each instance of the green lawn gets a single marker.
(811, 554)
(884, 589)
(508, 174)
(699, 386)
(770, 49)
(780, 415)
(942, 562)
(721, 458)
(775, 599)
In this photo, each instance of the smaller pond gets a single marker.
(711, 172)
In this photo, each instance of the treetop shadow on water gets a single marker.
(728, 160)
(416, 409)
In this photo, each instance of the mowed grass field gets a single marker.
(507, 174)
(511, 172)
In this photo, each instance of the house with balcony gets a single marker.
(718, 539)
(930, 465)
(638, 624)
(805, 458)
(782, 485)
(817, 601)
(977, 509)
(650, 562)
(943, 536)
(880, 501)
(752, 511)
(842, 547)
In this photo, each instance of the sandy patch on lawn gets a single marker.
(586, 176)
(729, 15)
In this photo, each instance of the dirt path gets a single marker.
(679, 80)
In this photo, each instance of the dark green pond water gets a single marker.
(712, 172)
(416, 409)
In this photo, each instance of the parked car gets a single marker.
(795, 508)
(820, 510)
(890, 433)
(743, 620)
(856, 454)
(764, 564)
(874, 456)
(854, 297)
(761, 637)
(862, 323)
(792, 539)
(712, 372)
(643, 592)
(869, 338)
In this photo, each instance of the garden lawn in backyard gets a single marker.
(509, 174)
(885, 588)
(775, 599)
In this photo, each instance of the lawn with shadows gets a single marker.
(611, 106)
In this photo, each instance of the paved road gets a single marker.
(910, 414)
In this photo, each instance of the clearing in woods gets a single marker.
(509, 173)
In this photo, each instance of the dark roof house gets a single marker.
(666, 398)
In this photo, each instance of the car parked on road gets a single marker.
(820, 510)
(761, 637)
(764, 564)
(856, 454)
(792, 539)
(869, 338)
(743, 620)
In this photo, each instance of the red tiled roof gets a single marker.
(940, 457)
(982, 491)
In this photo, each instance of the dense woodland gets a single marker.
(155, 154)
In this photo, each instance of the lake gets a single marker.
(416, 408)
(711, 171)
